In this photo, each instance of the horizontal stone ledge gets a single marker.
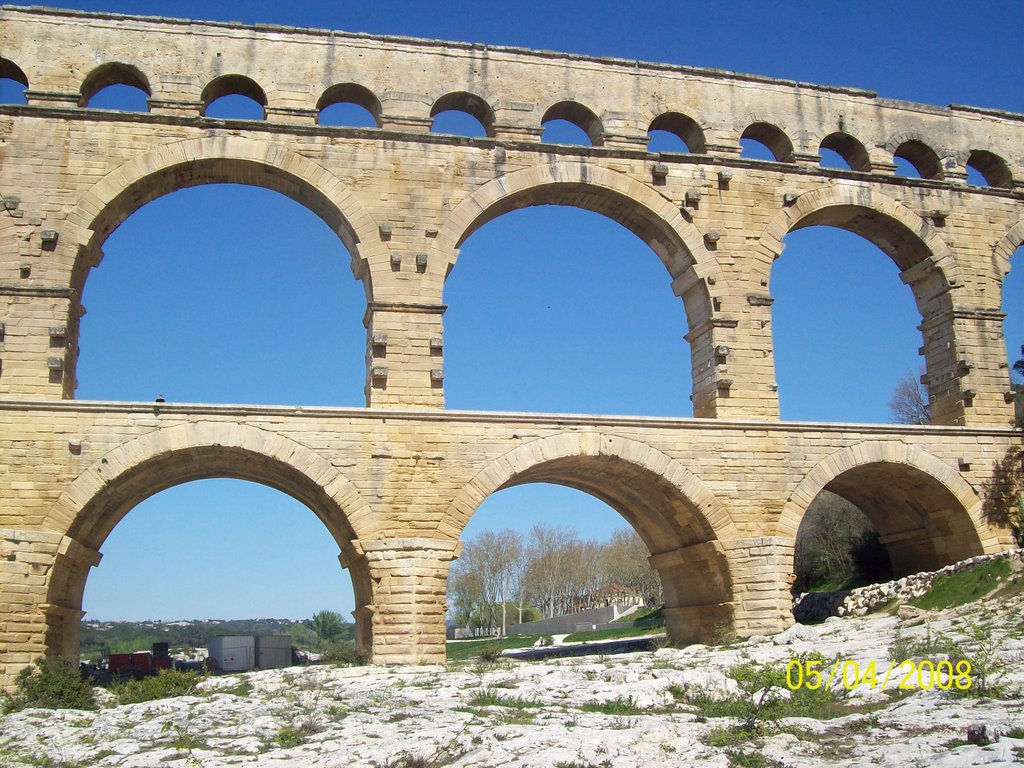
(512, 420)
(408, 545)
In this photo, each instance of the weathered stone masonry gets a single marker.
(718, 498)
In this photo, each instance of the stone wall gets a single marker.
(594, 618)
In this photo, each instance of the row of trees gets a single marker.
(504, 577)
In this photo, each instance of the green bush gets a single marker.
(166, 684)
(345, 653)
(50, 684)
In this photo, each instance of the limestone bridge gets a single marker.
(717, 498)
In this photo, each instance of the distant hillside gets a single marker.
(100, 637)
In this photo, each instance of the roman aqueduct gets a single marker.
(717, 498)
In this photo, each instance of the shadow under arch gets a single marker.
(681, 522)
(927, 515)
(110, 488)
(648, 215)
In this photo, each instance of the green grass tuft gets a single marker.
(951, 590)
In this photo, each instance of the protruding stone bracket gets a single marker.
(79, 553)
(351, 553)
(61, 611)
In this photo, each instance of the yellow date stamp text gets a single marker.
(908, 674)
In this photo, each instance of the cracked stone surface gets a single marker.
(323, 716)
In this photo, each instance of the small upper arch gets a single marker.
(684, 127)
(773, 138)
(233, 85)
(112, 73)
(580, 116)
(991, 167)
(350, 93)
(468, 103)
(915, 150)
(11, 71)
(850, 149)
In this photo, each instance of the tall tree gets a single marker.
(909, 403)
(328, 625)
(547, 570)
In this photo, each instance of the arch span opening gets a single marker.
(987, 169)
(234, 97)
(539, 551)
(116, 86)
(921, 522)
(350, 105)
(526, 286)
(764, 141)
(226, 549)
(676, 132)
(251, 302)
(562, 118)
(841, 150)
(671, 512)
(147, 470)
(914, 158)
(462, 114)
(837, 548)
(845, 328)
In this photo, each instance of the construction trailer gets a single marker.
(238, 653)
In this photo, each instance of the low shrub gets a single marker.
(348, 654)
(50, 684)
(167, 684)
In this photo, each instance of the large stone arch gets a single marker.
(927, 514)
(926, 263)
(581, 184)
(909, 240)
(216, 159)
(685, 527)
(99, 498)
(1005, 248)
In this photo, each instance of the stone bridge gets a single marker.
(717, 498)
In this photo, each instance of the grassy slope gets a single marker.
(949, 591)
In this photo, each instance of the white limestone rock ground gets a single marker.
(377, 717)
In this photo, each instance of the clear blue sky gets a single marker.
(273, 284)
